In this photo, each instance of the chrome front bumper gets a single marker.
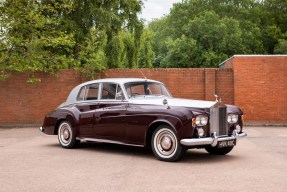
(212, 140)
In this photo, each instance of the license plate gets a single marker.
(230, 143)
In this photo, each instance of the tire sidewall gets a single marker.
(176, 154)
(72, 142)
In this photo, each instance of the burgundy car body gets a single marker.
(131, 119)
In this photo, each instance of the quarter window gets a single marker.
(89, 92)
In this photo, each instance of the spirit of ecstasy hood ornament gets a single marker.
(216, 98)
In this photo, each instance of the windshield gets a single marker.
(146, 89)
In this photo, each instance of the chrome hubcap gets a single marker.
(66, 134)
(165, 143)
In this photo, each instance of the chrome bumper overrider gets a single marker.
(41, 129)
(211, 140)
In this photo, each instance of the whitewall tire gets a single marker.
(165, 144)
(66, 135)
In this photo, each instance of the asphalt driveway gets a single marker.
(32, 161)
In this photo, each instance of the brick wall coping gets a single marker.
(230, 58)
(259, 56)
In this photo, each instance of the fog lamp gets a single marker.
(200, 132)
(238, 128)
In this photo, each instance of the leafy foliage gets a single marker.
(31, 41)
(203, 33)
(146, 54)
(90, 35)
(92, 55)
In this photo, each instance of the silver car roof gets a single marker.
(72, 98)
(117, 80)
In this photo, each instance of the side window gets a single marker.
(111, 91)
(92, 92)
(134, 90)
(89, 92)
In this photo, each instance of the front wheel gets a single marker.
(218, 151)
(66, 136)
(165, 144)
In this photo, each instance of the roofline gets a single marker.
(117, 80)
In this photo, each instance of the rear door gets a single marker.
(109, 118)
(87, 105)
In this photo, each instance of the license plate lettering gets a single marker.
(229, 143)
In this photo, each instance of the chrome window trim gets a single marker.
(118, 84)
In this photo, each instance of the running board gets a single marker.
(106, 141)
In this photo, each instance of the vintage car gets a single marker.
(142, 112)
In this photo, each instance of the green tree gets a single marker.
(31, 41)
(92, 56)
(110, 16)
(48, 35)
(281, 47)
(146, 54)
(220, 28)
(181, 53)
(115, 48)
(129, 56)
(160, 33)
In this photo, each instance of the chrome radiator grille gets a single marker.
(218, 120)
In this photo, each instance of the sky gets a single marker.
(156, 8)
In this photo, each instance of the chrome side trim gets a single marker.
(213, 140)
(106, 141)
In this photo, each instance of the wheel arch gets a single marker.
(152, 127)
(68, 118)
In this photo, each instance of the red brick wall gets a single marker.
(23, 103)
(260, 87)
(257, 84)
(186, 83)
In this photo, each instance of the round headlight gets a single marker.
(232, 118)
(201, 120)
(229, 118)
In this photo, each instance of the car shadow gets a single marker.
(191, 156)
(201, 156)
(117, 149)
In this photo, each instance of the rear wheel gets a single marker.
(165, 144)
(66, 136)
(218, 151)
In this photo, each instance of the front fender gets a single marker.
(182, 126)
